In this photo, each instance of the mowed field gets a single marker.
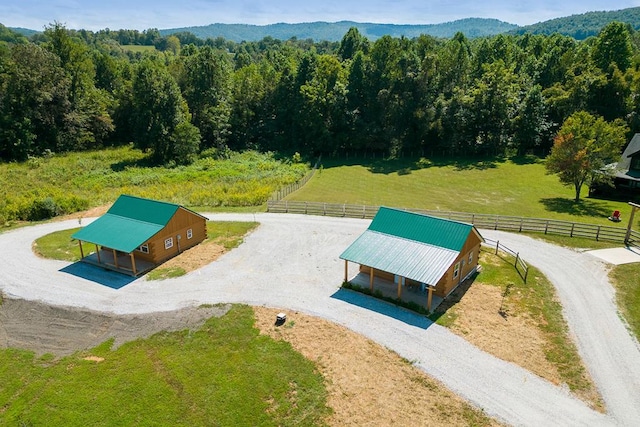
(519, 187)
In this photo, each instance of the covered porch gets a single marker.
(405, 290)
(114, 260)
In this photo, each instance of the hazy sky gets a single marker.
(144, 14)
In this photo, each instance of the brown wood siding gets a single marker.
(447, 283)
(181, 221)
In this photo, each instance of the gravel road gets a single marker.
(291, 262)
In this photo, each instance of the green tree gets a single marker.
(583, 148)
(157, 109)
(613, 46)
(352, 43)
(207, 89)
(34, 103)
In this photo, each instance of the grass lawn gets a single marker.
(518, 187)
(224, 374)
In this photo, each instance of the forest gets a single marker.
(72, 90)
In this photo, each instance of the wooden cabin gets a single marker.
(416, 250)
(136, 234)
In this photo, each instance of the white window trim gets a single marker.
(470, 257)
(189, 233)
(144, 248)
(456, 270)
(168, 243)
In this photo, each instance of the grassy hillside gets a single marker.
(517, 187)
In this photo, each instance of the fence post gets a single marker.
(344, 209)
(573, 224)
(526, 273)
(497, 246)
(324, 209)
(305, 208)
(517, 259)
(364, 209)
(546, 227)
(495, 227)
(521, 220)
(598, 234)
(286, 206)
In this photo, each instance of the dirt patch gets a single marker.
(368, 384)
(196, 257)
(509, 336)
(61, 331)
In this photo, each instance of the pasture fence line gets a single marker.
(487, 221)
(519, 264)
(283, 192)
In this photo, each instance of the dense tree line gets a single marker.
(76, 90)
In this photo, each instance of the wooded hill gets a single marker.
(65, 90)
(334, 31)
(584, 25)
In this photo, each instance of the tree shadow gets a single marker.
(527, 159)
(580, 208)
(406, 165)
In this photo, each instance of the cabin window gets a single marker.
(471, 257)
(456, 270)
(189, 233)
(144, 248)
(635, 163)
(168, 243)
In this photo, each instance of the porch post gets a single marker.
(133, 264)
(98, 253)
(400, 287)
(115, 258)
(429, 298)
(371, 279)
(346, 270)
(81, 253)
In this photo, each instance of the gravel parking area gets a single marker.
(292, 261)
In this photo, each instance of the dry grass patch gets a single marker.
(514, 337)
(368, 384)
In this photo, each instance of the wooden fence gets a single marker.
(521, 267)
(486, 221)
(285, 191)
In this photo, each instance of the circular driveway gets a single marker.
(291, 262)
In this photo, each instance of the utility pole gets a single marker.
(634, 208)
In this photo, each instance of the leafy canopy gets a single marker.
(583, 147)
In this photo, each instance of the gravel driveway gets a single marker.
(292, 262)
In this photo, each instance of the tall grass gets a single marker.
(44, 187)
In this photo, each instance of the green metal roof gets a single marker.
(412, 245)
(129, 223)
(407, 258)
(421, 228)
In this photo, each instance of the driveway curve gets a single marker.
(291, 262)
